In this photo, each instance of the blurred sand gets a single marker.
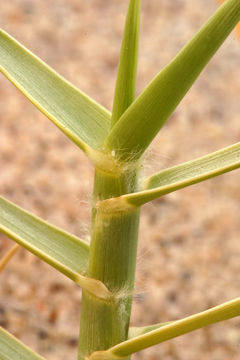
(189, 241)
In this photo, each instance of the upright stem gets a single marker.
(105, 322)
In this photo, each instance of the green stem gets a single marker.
(105, 322)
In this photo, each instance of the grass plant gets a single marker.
(115, 144)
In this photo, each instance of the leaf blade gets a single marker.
(127, 69)
(8, 256)
(237, 28)
(141, 122)
(177, 328)
(12, 349)
(63, 251)
(84, 121)
(186, 174)
(137, 331)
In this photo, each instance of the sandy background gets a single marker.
(189, 247)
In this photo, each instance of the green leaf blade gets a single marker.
(177, 328)
(13, 349)
(127, 69)
(137, 331)
(144, 118)
(186, 174)
(84, 121)
(63, 251)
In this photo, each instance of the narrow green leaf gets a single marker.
(186, 174)
(127, 69)
(84, 121)
(13, 349)
(137, 331)
(137, 127)
(63, 251)
(219, 313)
